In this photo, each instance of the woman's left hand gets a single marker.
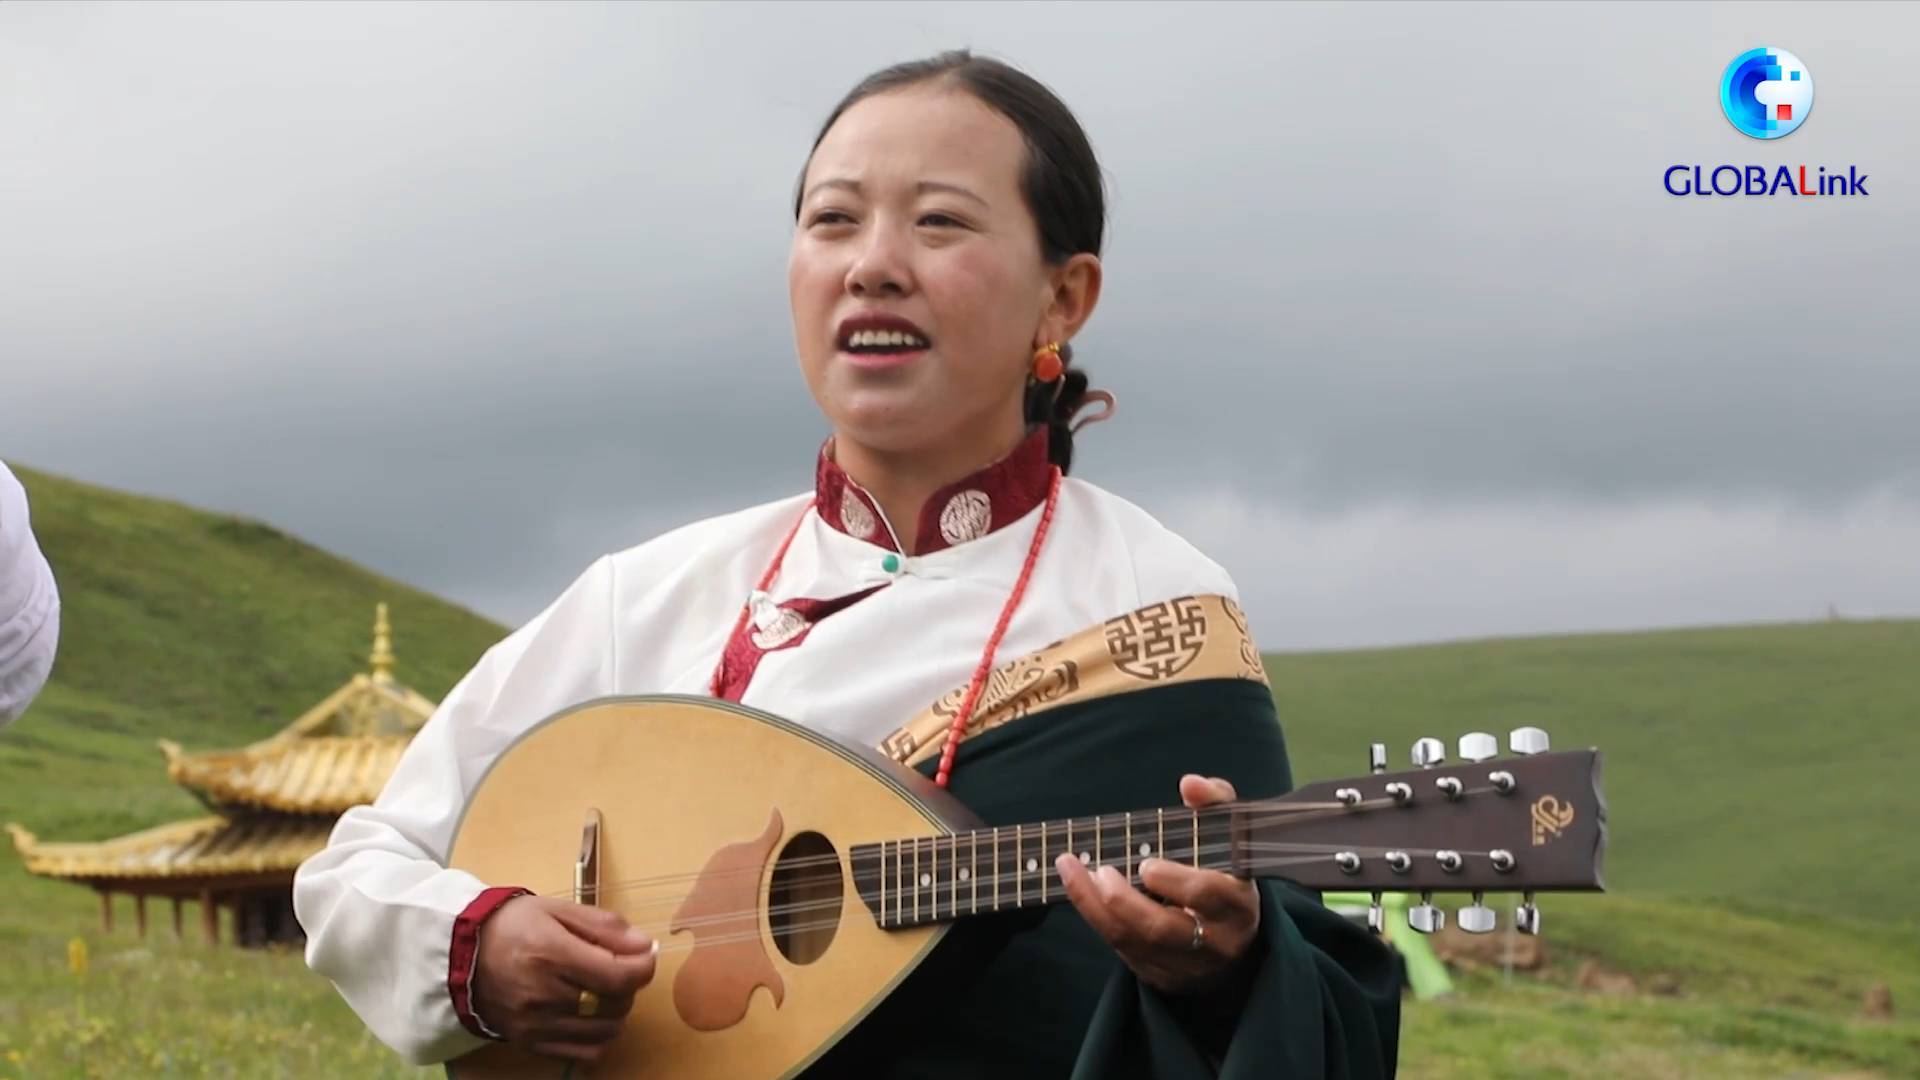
(1157, 941)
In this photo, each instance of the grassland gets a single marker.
(1768, 763)
(1761, 861)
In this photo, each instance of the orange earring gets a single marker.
(1047, 365)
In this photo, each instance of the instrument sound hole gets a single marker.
(804, 905)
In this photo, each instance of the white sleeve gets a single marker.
(379, 907)
(29, 605)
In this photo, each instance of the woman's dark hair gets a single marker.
(1062, 186)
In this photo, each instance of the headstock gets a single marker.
(1531, 822)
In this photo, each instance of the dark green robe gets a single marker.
(1037, 993)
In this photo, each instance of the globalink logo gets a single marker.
(1766, 93)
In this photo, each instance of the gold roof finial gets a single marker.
(382, 658)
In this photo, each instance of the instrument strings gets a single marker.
(1264, 813)
(1060, 895)
(960, 902)
(1263, 855)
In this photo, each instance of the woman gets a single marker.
(1052, 649)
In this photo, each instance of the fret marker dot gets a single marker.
(1032, 865)
(926, 880)
(1086, 858)
(1146, 850)
(965, 873)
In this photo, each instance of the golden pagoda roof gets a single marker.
(203, 847)
(337, 754)
(276, 799)
(369, 703)
(322, 774)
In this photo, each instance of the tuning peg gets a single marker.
(1426, 918)
(1477, 917)
(1527, 740)
(1478, 746)
(1526, 917)
(1377, 757)
(1429, 752)
(1377, 916)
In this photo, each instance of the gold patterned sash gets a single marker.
(1182, 640)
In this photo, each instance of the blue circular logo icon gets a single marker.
(1766, 93)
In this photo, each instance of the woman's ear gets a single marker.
(1075, 288)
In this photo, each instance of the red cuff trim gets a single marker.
(466, 951)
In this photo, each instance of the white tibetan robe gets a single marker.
(29, 605)
(382, 914)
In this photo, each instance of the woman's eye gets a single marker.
(938, 220)
(830, 217)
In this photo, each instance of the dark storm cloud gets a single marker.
(474, 293)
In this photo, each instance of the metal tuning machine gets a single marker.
(1478, 746)
(1426, 918)
(1429, 752)
(1527, 741)
(1477, 917)
(1526, 917)
(1376, 763)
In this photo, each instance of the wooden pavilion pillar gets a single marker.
(106, 911)
(209, 917)
(140, 913)
(176, 918)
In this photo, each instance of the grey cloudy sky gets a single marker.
(1405, 330)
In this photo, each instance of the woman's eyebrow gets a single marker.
(925, 186)
(922, 187)
(835, 182)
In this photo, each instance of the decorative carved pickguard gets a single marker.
(729, 961)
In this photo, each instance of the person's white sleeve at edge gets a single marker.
(29, 605)
(377, 903)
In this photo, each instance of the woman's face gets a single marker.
(912, 222)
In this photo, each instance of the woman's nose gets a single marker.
(880, 267)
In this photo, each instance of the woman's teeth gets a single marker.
(885, 339)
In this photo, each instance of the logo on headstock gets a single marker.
(1550, 818)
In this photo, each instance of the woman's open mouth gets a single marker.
(880, 341)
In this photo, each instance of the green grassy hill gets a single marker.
(1757, 767)
(207, 629)
(1770, 763)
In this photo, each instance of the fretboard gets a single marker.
(933, 879)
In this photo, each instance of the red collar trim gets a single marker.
(967, 509)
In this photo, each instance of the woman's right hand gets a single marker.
(536, 955)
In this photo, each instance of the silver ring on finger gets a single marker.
(1199, 933)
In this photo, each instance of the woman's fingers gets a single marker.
(1209, 892)
(610, 974)
(1197, 791)
(602, 972)
(1086, 897)
(1217, 912)
(1116, 910)
(604, 928)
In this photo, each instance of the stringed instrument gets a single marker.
(801, 879)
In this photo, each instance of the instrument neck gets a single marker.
(920, 881)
